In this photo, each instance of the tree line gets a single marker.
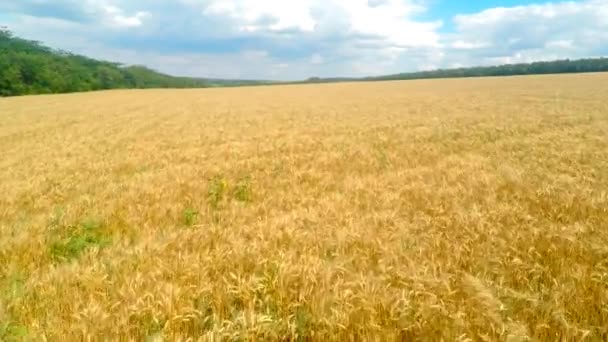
(536, 68)
(29, 67)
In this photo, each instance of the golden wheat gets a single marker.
(423, 210)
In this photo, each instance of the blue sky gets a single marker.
(287, 40)
(446, 10)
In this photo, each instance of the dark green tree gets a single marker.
(28, 67)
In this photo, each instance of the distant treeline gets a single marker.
(537, 68)
(29, 67)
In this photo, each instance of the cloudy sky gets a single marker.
(297, 39)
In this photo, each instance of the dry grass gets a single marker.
(451, 209)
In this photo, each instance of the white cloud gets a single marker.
(275, 15)
(388, 20)
(560, 44)
(115, 16)
(460, 44)
(533, 27)
(254, 54)
(304, 38)
(316, 59)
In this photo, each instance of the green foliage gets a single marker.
(78, 239)
(12, 332)
(217, 189)
(147, 323)
(242, 191)
(28, 67)
(382, 157)
(190, 217)
(91, 224)
(304, 323)
(11, 288)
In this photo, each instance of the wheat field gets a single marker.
(456, 210)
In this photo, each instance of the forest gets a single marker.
(29, 67)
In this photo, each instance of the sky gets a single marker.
(298, 39)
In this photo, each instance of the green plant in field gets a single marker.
(11, 289)
(150, 325)
(87, 234)
(12, 285)
(242, 190)
(190, 217)
(10, 331)
(382, 156)
(303, 321)
(91, 224)
(217, 190)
